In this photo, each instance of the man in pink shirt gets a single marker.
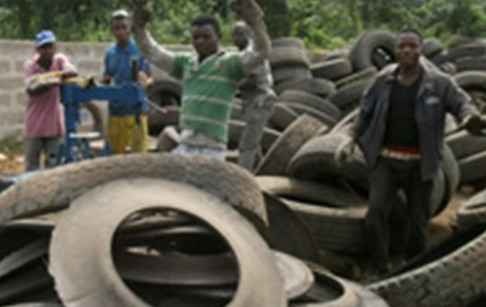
(44, 116)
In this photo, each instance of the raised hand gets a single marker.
(249, 10)
(142, 13)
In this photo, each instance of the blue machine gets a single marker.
(76, 147)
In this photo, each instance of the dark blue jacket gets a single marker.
(438, 94)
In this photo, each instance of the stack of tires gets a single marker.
(155, 230)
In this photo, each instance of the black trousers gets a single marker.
(386, 178)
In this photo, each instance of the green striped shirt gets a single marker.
(208, 91)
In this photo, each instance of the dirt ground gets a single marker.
(11, 164)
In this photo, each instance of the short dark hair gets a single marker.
(207, 20)
(413, 31)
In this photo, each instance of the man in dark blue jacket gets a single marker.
(400, 129)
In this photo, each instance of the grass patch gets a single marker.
(12, 144)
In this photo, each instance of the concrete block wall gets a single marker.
(88, 59)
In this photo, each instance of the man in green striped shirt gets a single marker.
(210, 77)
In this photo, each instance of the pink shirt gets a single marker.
(44, 116)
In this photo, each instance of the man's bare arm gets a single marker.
(155, 53)
(252, 14)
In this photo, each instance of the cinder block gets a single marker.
(20, 99)
(19, 66)
(93, 67)
(11, 82)
(5, 66)
(5, 101)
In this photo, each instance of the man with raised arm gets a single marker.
(210, 76)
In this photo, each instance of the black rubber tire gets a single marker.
(54, 189)
(332, 69)
(473, 168)
(471, 63)
(464, 144)
(368, 73)
(168, 139)
(98, 124)
(236, 128)
(320, 87)
(330, 290)
(79, 268)
(472, 212)
(431, 47)
(288, 42)
(163, 88)
(298, 133)
(467, 50)
(345, 123)
(282, 117)
(287, 233)
(472, 80)
(361, 53)
(453, 275)
(157, 120)
(309, 192)
(23, 257)
(287, 73)
(349, 96)
(303, 109)
(333, 229)
(451, 170)
(288, 56)
(311, 100)
(315, 161)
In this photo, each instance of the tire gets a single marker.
(282, 117)
(236, 129)
(288, 42)
(98, 122)
(303, 109)
(471, 63)
(309, 192)
(431, 47)
(168, 139)
(78, 270)
(277, 157)
(368, 73)
(287, 73)
(165, 91)
(361, 54)
(451, 170)
(311, 100)
(288, 56)
(472, 80)
(55, 188)
(287, 233)
(473, 212)
(333, 69)
(467, 50)
(464, 144)
(473, 168)
(349, 96)
(23, 257)
(315, 162)
(319, 87)
(157, 120)
(451, 275)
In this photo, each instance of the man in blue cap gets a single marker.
(44, 116)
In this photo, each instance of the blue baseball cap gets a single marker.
(44, 37)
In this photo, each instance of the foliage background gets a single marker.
(324, 24)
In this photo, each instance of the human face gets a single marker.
(47, 51)
(205, 40)
(408, 50)
(240, 37)
(121, 29)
